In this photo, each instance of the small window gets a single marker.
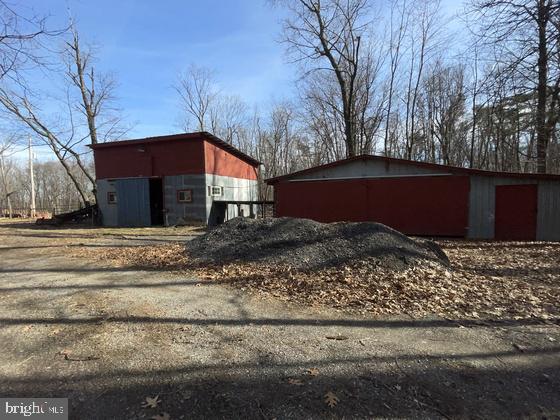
(184, 196)
(112, 197)
(214, 191)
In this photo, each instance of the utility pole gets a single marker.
(5, 184)
(32, 179)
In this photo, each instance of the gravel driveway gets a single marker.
(107, 338)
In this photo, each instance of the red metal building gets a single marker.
(173, 179)
(424, 199)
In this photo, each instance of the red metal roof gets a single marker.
(451, 169)
(202, 135)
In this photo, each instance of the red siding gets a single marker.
(168, 158)
(426, 205)
(516, 212)
(220, 162)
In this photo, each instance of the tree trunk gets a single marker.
(542, 64)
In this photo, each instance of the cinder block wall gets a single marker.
(184, 212)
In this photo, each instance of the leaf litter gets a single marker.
(384, 272)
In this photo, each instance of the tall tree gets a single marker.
(95, 92)
(525, 36)
(62, 131)
(328, 35)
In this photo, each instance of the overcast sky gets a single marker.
(146, 43)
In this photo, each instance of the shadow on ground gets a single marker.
(409, 388)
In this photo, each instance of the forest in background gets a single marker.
(393, 77)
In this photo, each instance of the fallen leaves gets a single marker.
(486, 280)
(151, 402)
(331, 399)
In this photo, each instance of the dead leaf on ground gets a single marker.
(502, 281)
(294, 381)
(331, 399)
(312, 371)
(151, 402)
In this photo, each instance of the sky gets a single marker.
(145, 44)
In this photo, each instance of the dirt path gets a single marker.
(107, 338)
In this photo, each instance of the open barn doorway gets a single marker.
(156, 201)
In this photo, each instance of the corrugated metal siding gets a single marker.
(482, 206)
(235, 189)
(133, 201)
(365, 168)
(548, 217)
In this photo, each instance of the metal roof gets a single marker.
(201, 135)
(435, 166)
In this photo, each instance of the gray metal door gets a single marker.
(133, 197)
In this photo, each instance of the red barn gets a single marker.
(173, 179)
(424, 199)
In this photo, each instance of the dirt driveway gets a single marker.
(108, 338)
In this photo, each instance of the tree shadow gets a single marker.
(275, 322)
(365, 388)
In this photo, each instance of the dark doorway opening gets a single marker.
(156, 201)
(217, 213)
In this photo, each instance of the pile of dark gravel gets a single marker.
(306, 244)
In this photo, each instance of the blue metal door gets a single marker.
(133, 202)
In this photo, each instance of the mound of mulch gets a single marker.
(307, 245)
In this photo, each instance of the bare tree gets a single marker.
(85, 91)
(525, 36)
(423, 46)
(198, 93)
(20, 39)
(328, 35)
(397, 31)
(21, 108)
(96, 92)
(6, 149)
